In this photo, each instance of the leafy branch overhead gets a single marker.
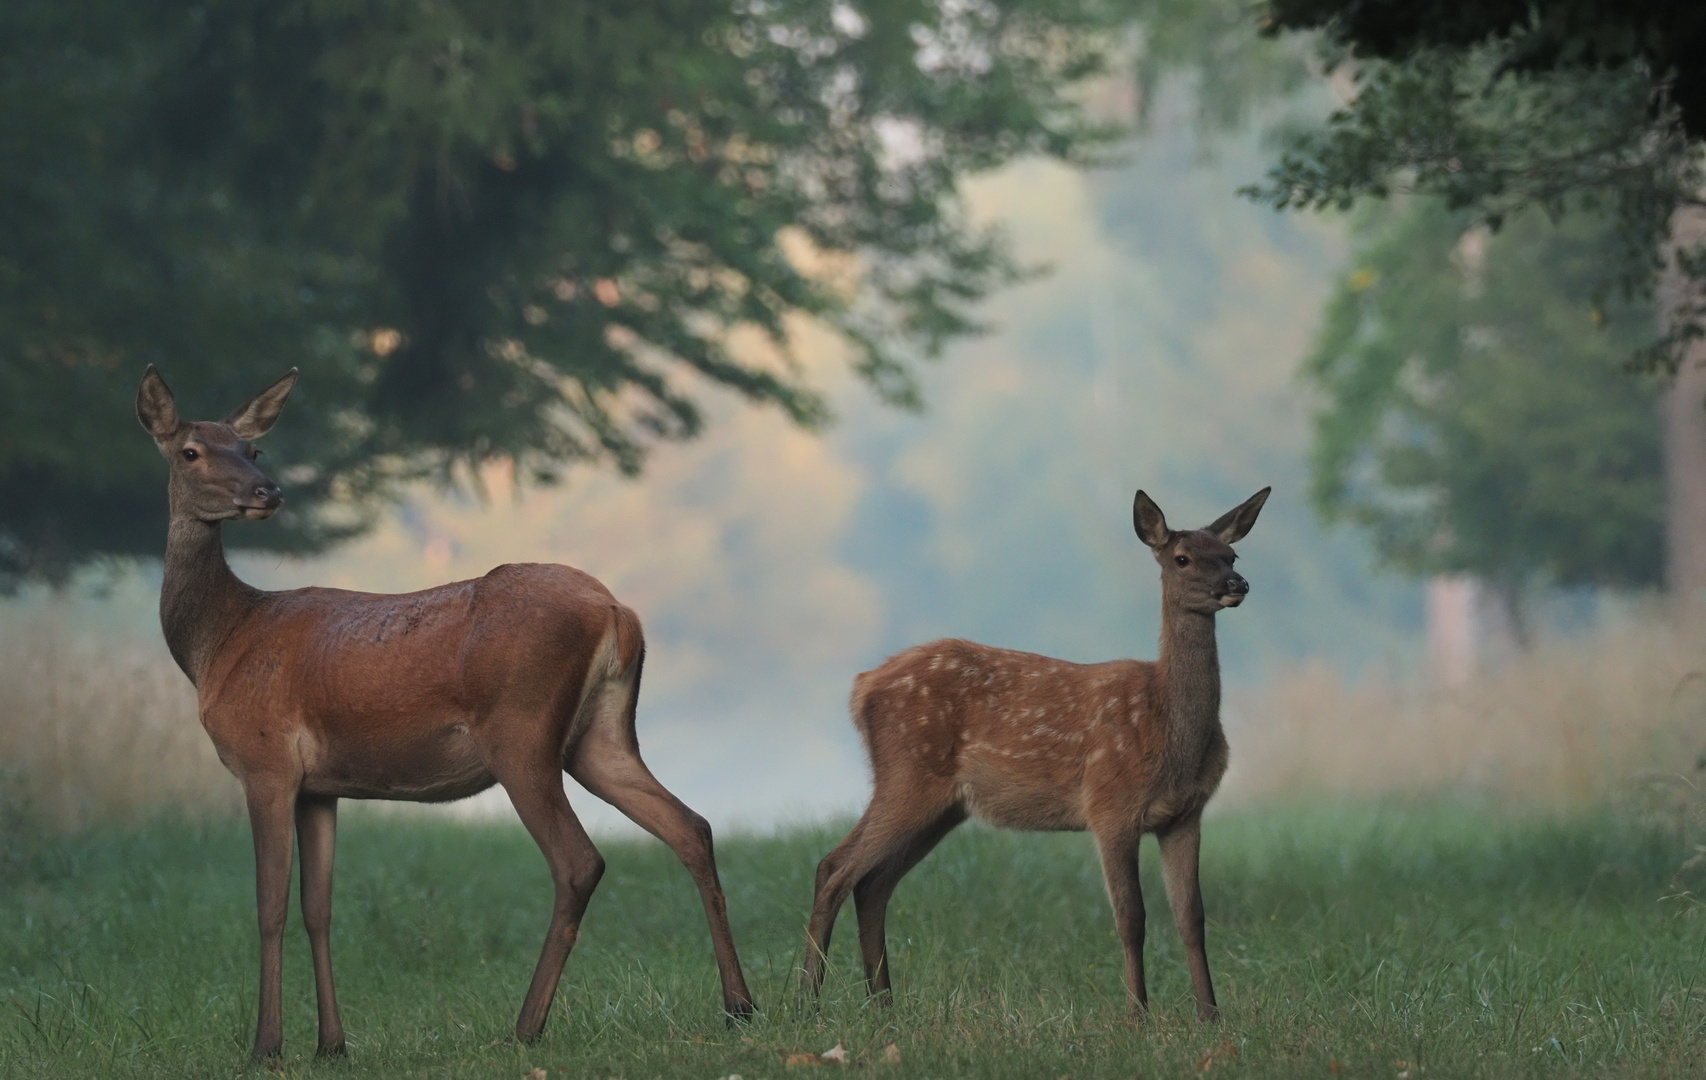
(1572, 105)
(522, 228)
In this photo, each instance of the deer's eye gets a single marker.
(190, 454)
(1182, 560)
(254, 455)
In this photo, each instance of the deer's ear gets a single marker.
(1149, 521)
(155, 407)
(254, 417)
(1236, 523)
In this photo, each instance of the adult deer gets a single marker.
(955, 729)
(312, 695)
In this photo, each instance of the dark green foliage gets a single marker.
(1477, 414)
(1498, 108)
(1492, 430)
(520, 228)
(1662, 37)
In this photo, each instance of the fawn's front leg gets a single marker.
(1179, 851)
(1119, 865)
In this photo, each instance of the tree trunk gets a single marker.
(1684, 412)
(1685, 485)
(1473, 626)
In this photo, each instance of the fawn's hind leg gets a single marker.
(884, 833)
(871, 894)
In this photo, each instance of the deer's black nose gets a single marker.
(268, 495)
(1237, 586)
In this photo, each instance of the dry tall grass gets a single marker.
(99, 724)
(1574, 719)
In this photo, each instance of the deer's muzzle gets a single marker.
(262, 500)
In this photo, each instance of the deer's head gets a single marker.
(1196, 564)
(214, 474)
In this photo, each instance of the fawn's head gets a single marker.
(214, 476)
(1196, 564)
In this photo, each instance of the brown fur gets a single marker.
(312, 695)
(956, 730)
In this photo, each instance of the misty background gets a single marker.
(605, 327)
(769, 564)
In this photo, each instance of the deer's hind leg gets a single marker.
(606, 761)
(534, 781)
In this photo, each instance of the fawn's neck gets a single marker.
(1189, 667)
(200, 598)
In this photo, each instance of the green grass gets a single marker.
(1343, 942)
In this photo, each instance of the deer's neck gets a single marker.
(200, 598)
(1190, 671)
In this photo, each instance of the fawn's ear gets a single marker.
(1236, 523)
(1150, 523)
(155, 407)
(254, 417)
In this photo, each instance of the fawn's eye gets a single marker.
(190, 454)
(1182, 560)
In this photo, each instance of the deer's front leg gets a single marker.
(270, 812)
(1180, 846)
(1118, 849)
(316, 835)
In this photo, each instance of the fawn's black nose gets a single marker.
(268, 495)
(1237, 586)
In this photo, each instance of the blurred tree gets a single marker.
(1663, 39)
(1555, 104)
(1477, 414)
(1503, 106)
(516, 228)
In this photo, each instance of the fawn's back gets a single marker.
(1026, 741)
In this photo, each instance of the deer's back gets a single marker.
(403, 679)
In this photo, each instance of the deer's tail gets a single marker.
(629, 644)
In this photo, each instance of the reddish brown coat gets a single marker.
(312, 695)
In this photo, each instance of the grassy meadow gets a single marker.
(1499, 883)
(1436, 940)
